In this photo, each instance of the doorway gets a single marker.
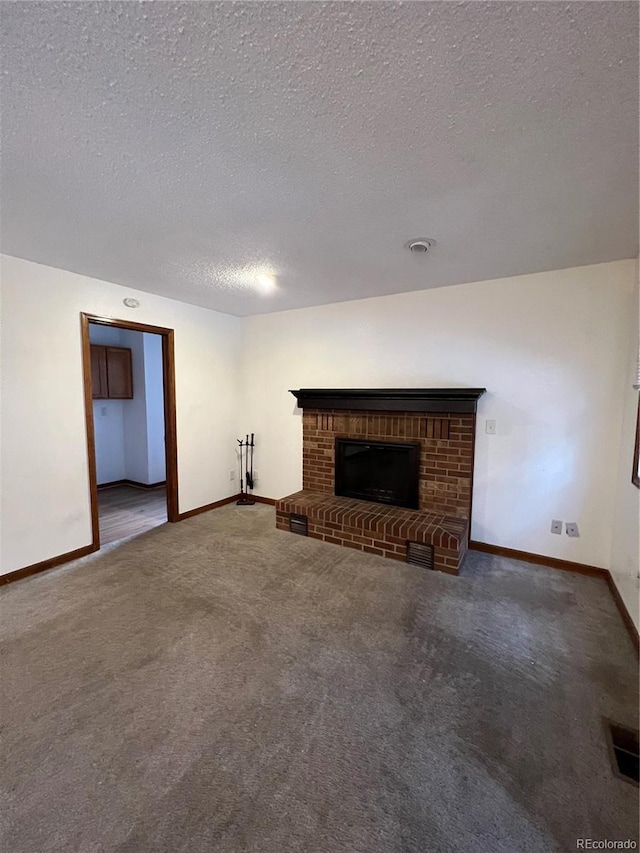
(127, 493)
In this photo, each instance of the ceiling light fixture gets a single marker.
(266, 283)
(420, 245)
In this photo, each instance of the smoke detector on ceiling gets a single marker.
(420, 245)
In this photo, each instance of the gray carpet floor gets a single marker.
(218, 685)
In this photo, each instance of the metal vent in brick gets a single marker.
(298, 524)
(623, 750)
(419, 554)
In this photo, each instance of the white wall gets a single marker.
(107, 419)
(136, 458)
(154, 400)
(109, 436)
(143, 420)
(551, 350)
(45, 491)
(625, 552)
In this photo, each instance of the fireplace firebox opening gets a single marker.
(379, 471)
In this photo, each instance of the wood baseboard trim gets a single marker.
(134, 483)
(259, 499)
(624, 613)
(568, 566)
(45, 565)
(199, 509)
(231, 499)
(61, 559)
(540, 559)
(111, 484)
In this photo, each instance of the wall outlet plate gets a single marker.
(556, 526)
(232, 475)
(572, 529)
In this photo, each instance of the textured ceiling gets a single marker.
(183, 148)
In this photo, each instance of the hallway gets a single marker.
(128, 511)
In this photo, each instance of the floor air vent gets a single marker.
(623, 749)
(419, 554)
(298, 524)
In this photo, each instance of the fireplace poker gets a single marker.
(241, 478)
(244, 499)
(250, 465)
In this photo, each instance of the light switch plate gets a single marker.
(556, 526)
(490, 427)
(572, 529)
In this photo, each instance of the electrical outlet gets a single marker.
(572, 528)
(232, 475)
(256, 477)
(490, 427)
(556, 526)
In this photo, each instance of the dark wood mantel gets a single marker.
(390, 399)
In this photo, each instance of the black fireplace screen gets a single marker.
(379, 471)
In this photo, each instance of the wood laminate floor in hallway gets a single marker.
(127, 511)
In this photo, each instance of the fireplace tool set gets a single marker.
(246, 471)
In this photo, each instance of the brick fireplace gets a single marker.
(439, 423)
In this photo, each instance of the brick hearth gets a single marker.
(377, 529)
(446, 473)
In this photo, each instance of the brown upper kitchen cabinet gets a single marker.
(111, 375)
